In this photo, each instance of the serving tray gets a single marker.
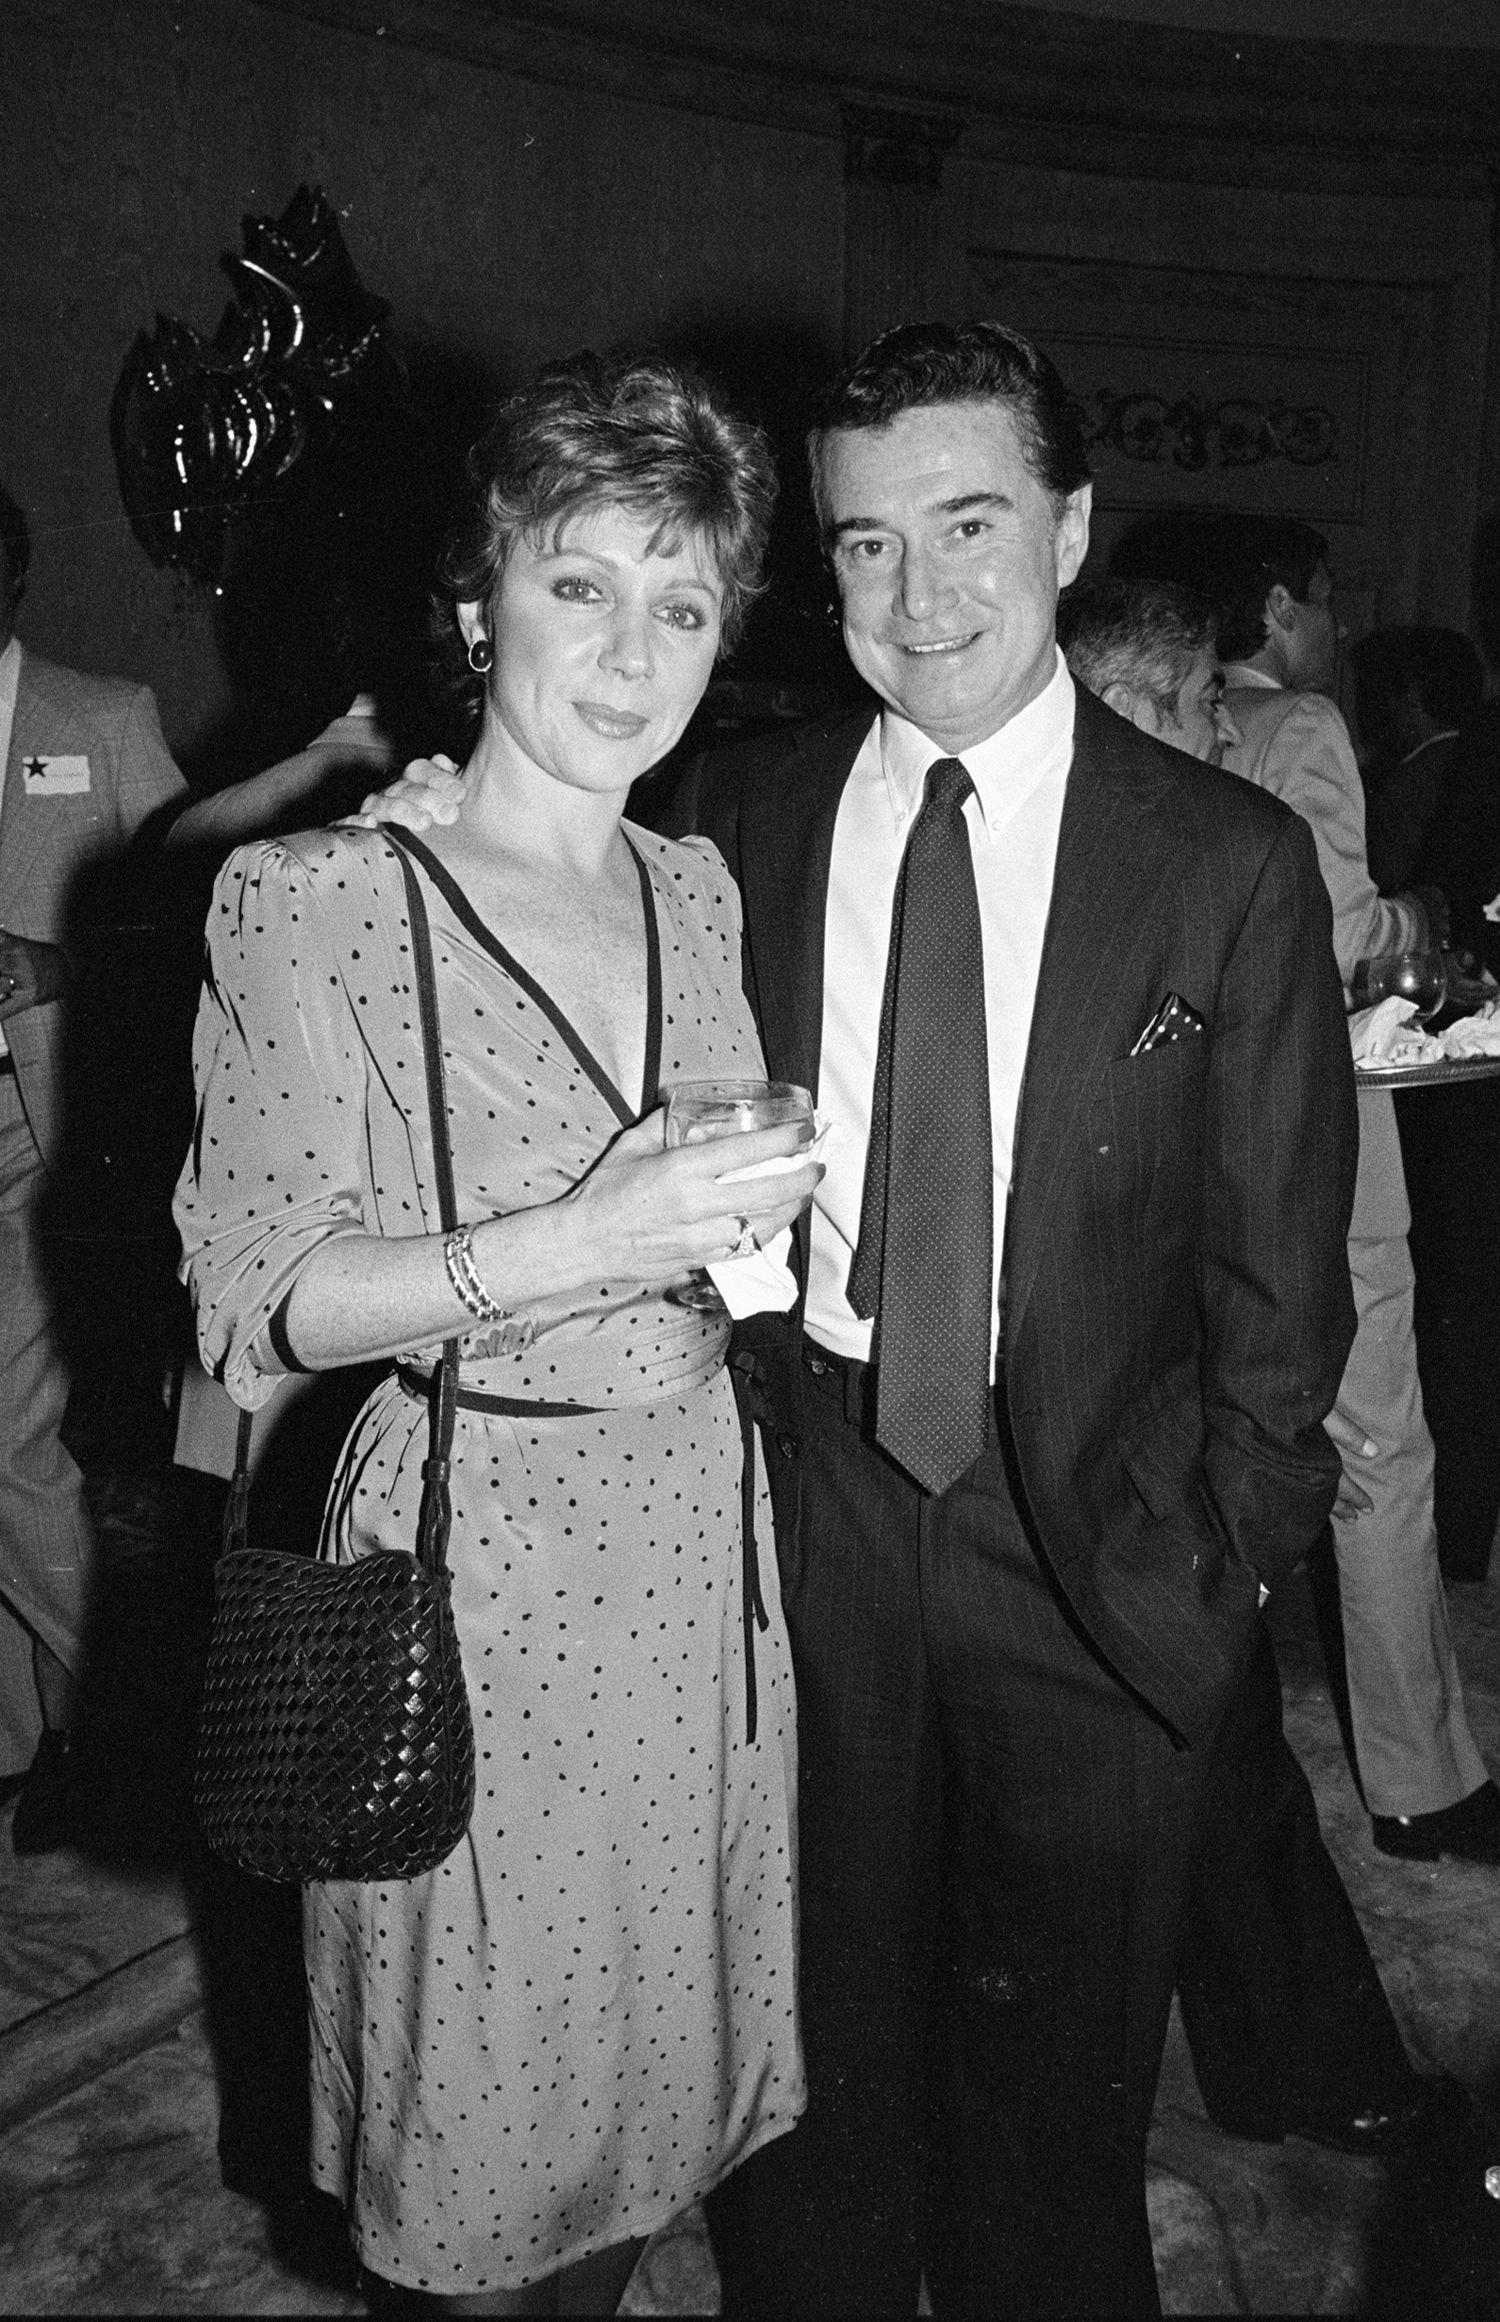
(1445, 1068)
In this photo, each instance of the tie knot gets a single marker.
(948, 782)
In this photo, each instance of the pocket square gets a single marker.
(1174, 1020)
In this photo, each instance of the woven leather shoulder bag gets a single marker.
(335, 1740)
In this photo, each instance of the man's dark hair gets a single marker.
(1248, 556)
(1442, 664)
(15, 536)
(1144, 635)
(919, 365)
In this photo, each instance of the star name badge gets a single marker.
(54, 777)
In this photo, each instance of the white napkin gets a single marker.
(1476, 1035)
(762, 1282)
(1385, 1035)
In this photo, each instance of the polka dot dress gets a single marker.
(585, 2017)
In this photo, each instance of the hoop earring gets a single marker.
(481, 656)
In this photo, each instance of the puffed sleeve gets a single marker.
(275, 1167)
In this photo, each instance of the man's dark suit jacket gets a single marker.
(1176, 1300)
(1460, 849)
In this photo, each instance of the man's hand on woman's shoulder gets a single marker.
(429, 790)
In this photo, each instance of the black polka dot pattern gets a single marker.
(585, 2017)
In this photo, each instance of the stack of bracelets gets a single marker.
(458, 1258)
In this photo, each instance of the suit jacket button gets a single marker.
(787, 1446)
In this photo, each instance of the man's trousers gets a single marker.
(993, 1839)
(46, 1540)
(1284, 2011)
(1411, 1732)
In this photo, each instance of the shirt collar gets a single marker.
(1240, 673)
(1005, 767)
(10, 672)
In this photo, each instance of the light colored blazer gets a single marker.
(88, 763)
(1297, 745)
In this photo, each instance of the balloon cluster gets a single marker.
(204, 428)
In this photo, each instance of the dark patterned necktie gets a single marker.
(923, 1266)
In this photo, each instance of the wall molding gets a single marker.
(1059, 91)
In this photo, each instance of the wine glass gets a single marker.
(699, 1109)
(1419, 976)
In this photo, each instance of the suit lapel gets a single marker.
(786, 844)
(1113, 854)
(42, 723)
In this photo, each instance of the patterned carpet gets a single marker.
(135, 1990)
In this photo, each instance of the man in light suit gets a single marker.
(84, 767)
(1099, 1300)
(1424, 1781)
(84, 764)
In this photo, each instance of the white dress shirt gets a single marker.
(1020, 775)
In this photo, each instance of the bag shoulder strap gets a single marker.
(435, 1518)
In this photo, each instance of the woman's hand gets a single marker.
(641, 1215)
(653, 1215)
(429, 790)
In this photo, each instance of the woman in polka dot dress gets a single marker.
(527, 2060)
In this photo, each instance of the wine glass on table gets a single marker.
(700, 1109)
(1418, 976)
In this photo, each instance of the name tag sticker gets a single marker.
(54, 777)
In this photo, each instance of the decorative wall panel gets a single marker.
(1272, 393)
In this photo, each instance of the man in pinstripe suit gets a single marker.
(1008, 1685)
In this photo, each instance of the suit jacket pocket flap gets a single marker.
(1161, 1445)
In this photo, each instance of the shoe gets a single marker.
(1469, 1831)
(43, 1821)
(1437, 2112)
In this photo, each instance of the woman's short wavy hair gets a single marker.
(617, 430)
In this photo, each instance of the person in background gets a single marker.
(1147, 649)
(529, 2058)
(1290, 2029)
(1416, 692)
(1424, 1782)
(1432, 782)
(84, 773)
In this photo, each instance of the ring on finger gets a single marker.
(745, 1244)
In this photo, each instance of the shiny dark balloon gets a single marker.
(205, 428)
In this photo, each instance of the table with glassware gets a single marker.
(1439, 1052)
